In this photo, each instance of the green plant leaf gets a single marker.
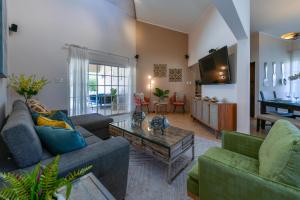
(68, 191)
(74, 175)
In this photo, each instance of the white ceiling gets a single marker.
(180, 15)
(275, 17)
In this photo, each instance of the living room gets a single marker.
(148, 99)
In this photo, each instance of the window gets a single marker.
(108, 87)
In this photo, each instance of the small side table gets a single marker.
(87, 187)
(161, 107)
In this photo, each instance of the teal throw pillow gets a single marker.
(59, 140)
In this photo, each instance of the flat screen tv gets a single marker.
(215, 68)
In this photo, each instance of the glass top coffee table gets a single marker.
(167, 147)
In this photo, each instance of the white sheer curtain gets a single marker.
(132, 85)
(78, 77)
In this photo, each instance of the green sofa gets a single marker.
(250, 168)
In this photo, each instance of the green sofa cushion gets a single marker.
(279, 155)
(193, 186)
(228, 158)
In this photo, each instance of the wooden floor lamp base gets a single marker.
(192, 196)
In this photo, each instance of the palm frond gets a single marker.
(8, 194)
(49, 176)
(17, 182)
(39, 184)
(78, 173)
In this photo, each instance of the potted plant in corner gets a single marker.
(27, 86)
(161, 94)
(41, 183)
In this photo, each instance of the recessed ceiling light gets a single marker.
(291, 36)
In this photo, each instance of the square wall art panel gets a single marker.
(160, 70)
(175, 75)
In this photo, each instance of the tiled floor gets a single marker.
(185, 121)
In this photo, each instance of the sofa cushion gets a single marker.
(59, 140)
(88, 136)
(21, 139)
(228, 158)
(91, 122)
(44, 121)
(279, 155)
(36, 106)
(54, 115)
(193, 186)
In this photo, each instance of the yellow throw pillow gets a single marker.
(44, 121)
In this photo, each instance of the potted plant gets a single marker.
(161, 94)
(113, 93)
(27, 86)
(41, 183)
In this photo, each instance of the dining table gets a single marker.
(287, 104)
(290, 105)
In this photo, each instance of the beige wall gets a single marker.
(156, 45)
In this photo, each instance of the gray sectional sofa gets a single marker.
(110, 158)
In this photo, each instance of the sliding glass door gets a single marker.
(108, 88)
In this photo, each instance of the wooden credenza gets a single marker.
(217, 116)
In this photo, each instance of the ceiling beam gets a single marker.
(228, 10)
(128, 6)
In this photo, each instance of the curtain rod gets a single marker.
(98, 51)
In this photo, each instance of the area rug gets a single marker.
(147, 177)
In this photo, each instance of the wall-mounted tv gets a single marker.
(215, 68)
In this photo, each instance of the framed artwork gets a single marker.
(3, 42)
(160, 70)
(175, 75)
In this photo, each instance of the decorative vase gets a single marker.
(159, 123)
(138, 118)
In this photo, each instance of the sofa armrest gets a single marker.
(241, 143)
(110, 160)
(218, 181)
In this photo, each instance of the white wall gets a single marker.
(296, 45)
(272, 49)
(205, 36)
(46, 25)
(216, 30)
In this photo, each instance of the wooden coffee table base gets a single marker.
(168, 155)
(170, 178)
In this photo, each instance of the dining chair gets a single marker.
(176, 101)
(273, 110)
(141, 101)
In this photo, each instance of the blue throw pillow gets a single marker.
(59, 140)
